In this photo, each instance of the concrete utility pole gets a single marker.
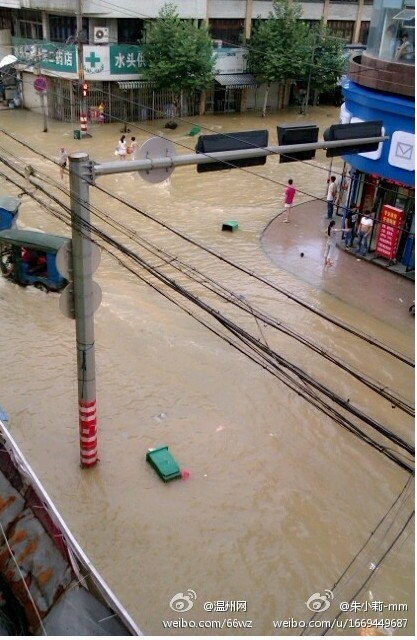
(310, 71)
(248, 19)
(84, 306)
(156, 167)
(80, 50)
(42, 95)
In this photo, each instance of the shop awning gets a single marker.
(136, 84)
(405, 14)
(236, 80)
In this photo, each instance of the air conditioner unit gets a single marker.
(218, 44)
(101, 35)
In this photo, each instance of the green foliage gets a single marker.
(285, 48)
(178, 55)
(277, 48)
(328, 59)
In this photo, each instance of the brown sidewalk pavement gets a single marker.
(298, 248)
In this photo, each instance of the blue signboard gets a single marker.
(396, 158)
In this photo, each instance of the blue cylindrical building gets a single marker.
(380, 85)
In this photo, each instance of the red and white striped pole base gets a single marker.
(83, 124)
(88, 433)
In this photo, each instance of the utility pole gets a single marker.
(84, 307)
(82, 100)
(44, 111)
(42, 95)
(248, 19)
(307, 96)
(157, 163)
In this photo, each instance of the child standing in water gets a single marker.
(330, 250)
(289, 199)
(121, 149)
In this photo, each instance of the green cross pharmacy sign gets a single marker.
(113, 60)
(100, 62)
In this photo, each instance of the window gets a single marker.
(342, 29)
(30, 25)
(312, 23)
(229, 31)
(6, 19)
(130, 30)
(364, 32)
(392, 37)
(30, 30)
(62, 27)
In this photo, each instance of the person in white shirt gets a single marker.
(405, 51)
(364, 233)
(330, 250)
(63, 159)
(331, 196)
(121, 149)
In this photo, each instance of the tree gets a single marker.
(278, 50)
(178, 55)
(328, 60)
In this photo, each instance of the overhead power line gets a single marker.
(273, 360)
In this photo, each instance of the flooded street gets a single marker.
(282, 496)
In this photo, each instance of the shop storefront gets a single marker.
(393, 236)
(385, 176)
(113, 75)
(381, 86)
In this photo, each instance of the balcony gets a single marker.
(383, 75)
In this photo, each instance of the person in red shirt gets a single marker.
(290, 192)
(40, 264)
(28, 256)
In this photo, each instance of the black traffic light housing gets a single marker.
(231, 142)
(297, 134)
(355, 130)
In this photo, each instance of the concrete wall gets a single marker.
(5, 43)
(119, 9)
(198, 9)
(31, 98)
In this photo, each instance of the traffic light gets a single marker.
(356, 130)
(297, 134)
(86, 89)
(231, 142)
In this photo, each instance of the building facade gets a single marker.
(46, 31)
(381, 86)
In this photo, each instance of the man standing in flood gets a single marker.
(331, 196)
(364, 233)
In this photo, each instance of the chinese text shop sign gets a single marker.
(59, 58)
(125, 59)
(389, 231)
(112, 62)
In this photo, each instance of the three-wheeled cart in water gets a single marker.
(30, 258)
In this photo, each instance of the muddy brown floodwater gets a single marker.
(280, 497)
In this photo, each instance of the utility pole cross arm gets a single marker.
(147, 164)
